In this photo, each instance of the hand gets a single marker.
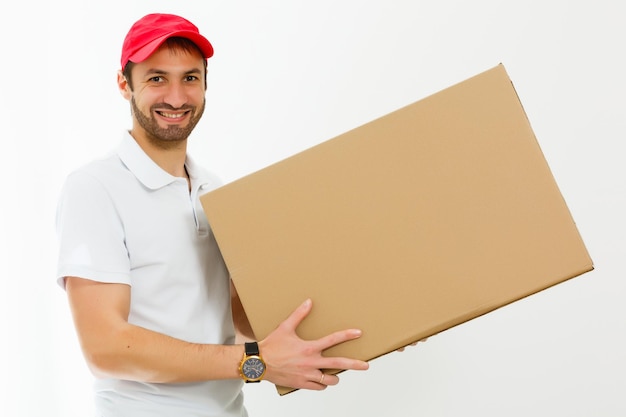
(297, 363)
(412, 344)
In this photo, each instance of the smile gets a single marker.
(173, 116)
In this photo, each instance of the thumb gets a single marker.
(296, 317)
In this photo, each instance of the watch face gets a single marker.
(253, 368)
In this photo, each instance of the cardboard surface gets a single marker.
(416, 222)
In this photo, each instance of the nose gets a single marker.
(175, 95)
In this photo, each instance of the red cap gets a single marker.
(149, 32)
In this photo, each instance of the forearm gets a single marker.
(134, 353)
(115, 348)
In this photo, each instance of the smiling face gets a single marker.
(167, 96)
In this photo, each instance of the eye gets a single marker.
(191, 78)
(156, 79)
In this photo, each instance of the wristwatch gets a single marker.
(252, 366)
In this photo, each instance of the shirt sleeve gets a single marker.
(90, 233)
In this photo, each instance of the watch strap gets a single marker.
(251, 348)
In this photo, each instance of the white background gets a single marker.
(287, 75)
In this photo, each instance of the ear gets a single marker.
(123, 86)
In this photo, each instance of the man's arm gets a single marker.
(115, 348)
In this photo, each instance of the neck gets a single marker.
(170, 156)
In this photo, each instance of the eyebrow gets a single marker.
(157, 71)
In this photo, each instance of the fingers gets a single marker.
(294, 362)
(296, 317)
(302, 311)
(316, 380)
(341, 363)
(327, 380)
(338, 337)
(331, 340)
(322, 380)
(412, 344)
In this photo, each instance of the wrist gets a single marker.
(252, 366)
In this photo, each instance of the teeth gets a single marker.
(172, 115)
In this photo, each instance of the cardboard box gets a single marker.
(416, 222)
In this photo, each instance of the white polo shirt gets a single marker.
(123, 219)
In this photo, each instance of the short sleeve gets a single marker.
(90, 233)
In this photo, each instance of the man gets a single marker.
(151, 299)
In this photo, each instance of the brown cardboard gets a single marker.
(416, 222)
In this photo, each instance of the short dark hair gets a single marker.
(174, 42)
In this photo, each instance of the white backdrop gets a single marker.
(287, 75)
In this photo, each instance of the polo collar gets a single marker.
(146, 170)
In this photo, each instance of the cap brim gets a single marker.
(200, 41)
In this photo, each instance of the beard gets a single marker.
(171, 135)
